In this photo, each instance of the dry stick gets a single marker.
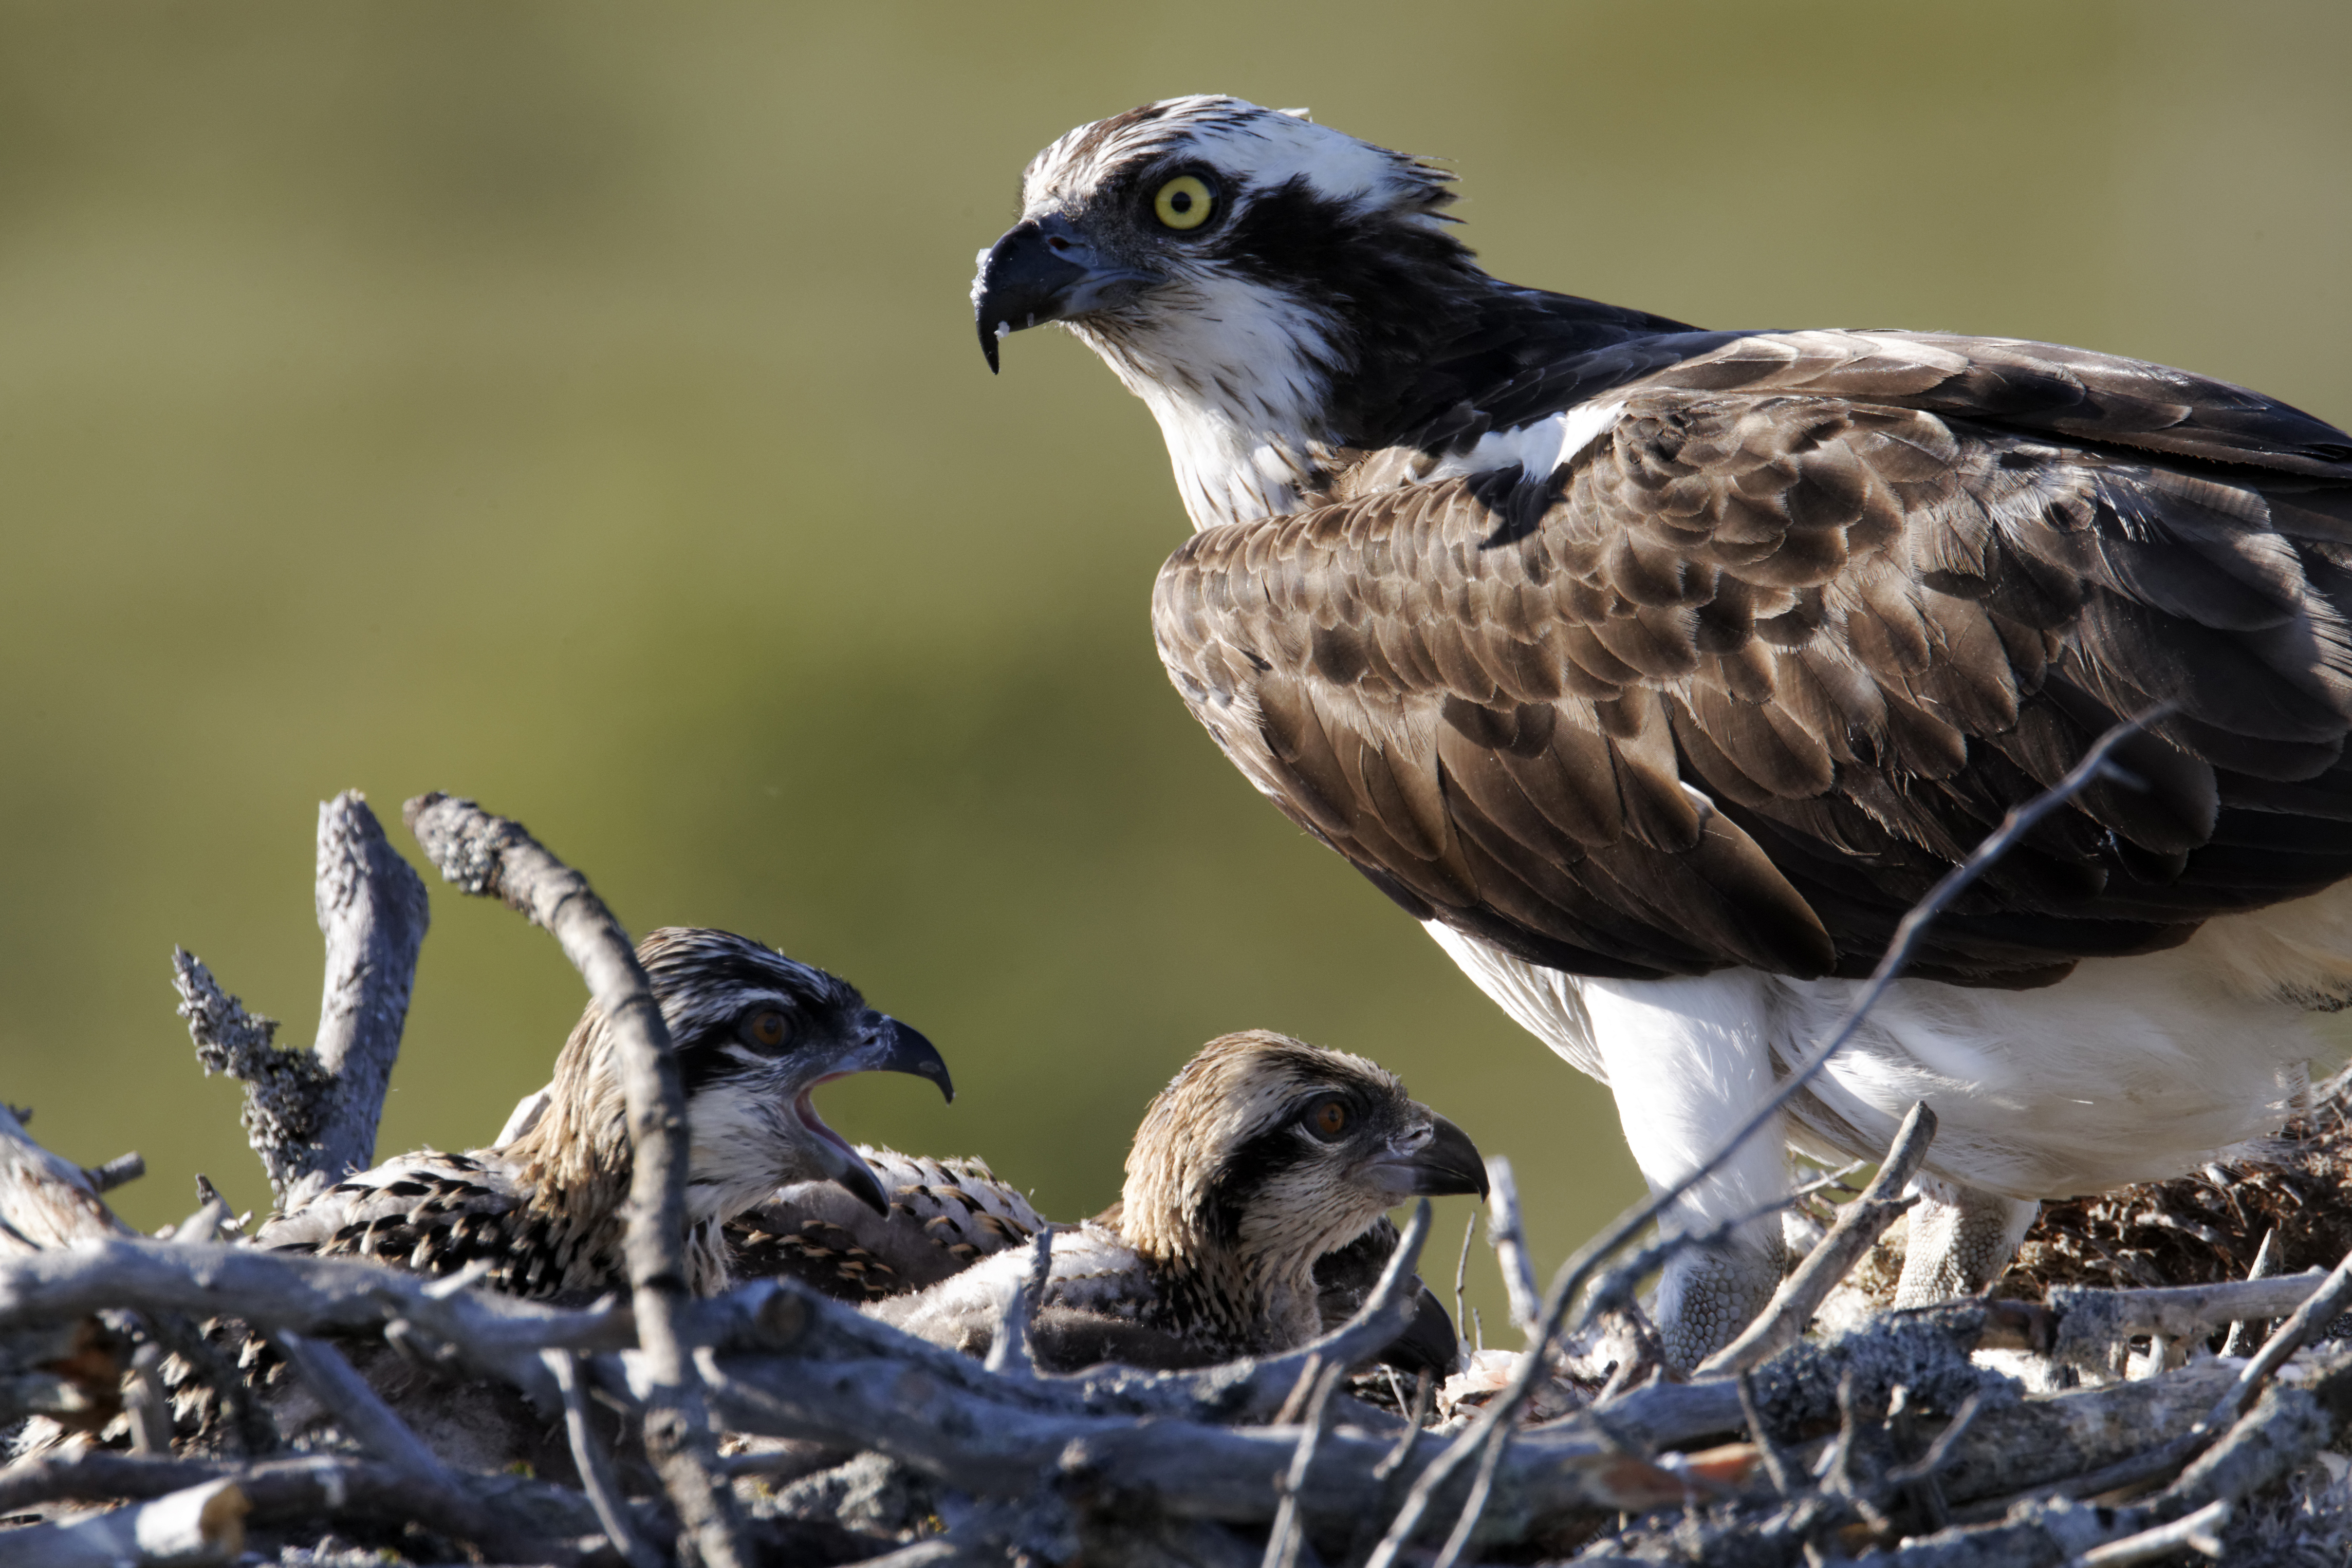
(1461, 1267)
(1491, 1430)
(1776, 1465)
(487, 855)
(2088, 1320)
(595, 1466)
(2319, 1308)
(1859, 1223)
(305, 1491)
(1939, 1452)
(1302, 1392)
(1508, 1236)
(119, 1171)
(204, 1524)
(1416, 1411)
(2198, 1532)
(2268, 1262)
(309, 1295)
(1282, 1542)
(372, 912)
(2317, 1312)
(1008, 1353)
(311, 1114)
(46, 1200)
(360, 1411)
(146, 1404)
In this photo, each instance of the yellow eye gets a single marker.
(1184, 202)
(768, 1028)
(1327, 1119)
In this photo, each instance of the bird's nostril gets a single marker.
(1057, 244)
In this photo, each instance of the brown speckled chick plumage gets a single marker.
(944, 1216)
(1261, 1158)
(754, 1032)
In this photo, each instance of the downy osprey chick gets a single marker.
(1260, 1158)
(1660, 671)
(755, 1033)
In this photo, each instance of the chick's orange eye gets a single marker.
(769, 1029)
(1184, 202)
(1327, 1119)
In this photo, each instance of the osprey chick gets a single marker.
(947, 1215)
(1659, 671)
(755, 1033)
(1261, 1158)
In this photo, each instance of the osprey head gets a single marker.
(1236, 266)
(754, 1032)
(1162, 210)
(1272, 1153)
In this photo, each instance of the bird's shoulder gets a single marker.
(945, 1216)
(1557, 360)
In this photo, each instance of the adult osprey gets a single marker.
(1659, 671)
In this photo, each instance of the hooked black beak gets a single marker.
(1447, 1161)
(1043, 270)
(885, 1045)
(892, 1047)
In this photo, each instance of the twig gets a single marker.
(2319, 1309)
(2089, 1321)
(1939, 1452)
(595, 1468)
(145, 1403)
(1416, 1411)
(2227, 1438)
(312, 1489)
(1776, 1465)
(283, 1088)
(372, 912)
(492, 856)
(1008, 1353)
(311, 1114)
(204, 1524)
(1859, 1223)
(2198, 1532)
(497, 1334)
(360, 1410)
(1509, 1237)
(1282, 1543)
(46, 1201)
(1462, 1268)
(981, 1441)
(1302, 1393)
(119, 1171)
(1501, 1413)
(2246, 1333)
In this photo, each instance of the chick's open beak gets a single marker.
(883, 1045)
(890, 1046)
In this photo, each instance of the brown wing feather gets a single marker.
(1865, 591)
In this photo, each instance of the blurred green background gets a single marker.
(576, 406)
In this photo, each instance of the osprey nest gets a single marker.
(2160, 1377)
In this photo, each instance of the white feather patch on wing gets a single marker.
(1540, 448)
